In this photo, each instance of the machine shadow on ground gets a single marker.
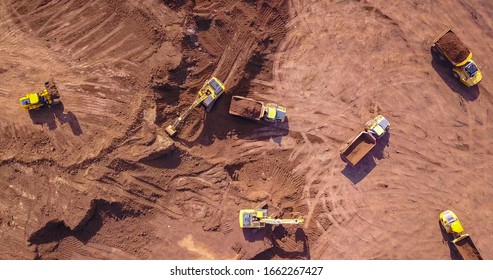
(444, 70)
(253, 234)
(89, 226)
(170, 160)
(276, 250)
(49, 115)
(447, 238)
(367, 164)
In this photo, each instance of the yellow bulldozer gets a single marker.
(48, 97)
(208, 95)
(258, 218)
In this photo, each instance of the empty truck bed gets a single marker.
(467, 249)
(359, 147)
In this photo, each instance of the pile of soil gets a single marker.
(52, 89)
(453, 47)
(246, 108)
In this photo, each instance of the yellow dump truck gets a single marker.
(448, 47)
(462, 241)
(356, 148)
(256, 110)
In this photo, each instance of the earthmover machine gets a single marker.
(462, 241)
(208, 95)
(256, 110)
(258, 218)
(448, 47)
(48, 97)
(356, 148)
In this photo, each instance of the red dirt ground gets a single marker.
(98, 177)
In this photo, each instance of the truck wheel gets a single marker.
(456, 75)
(441, 57)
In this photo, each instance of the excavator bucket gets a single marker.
(170, 130)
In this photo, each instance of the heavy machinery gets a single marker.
(48, 97)
(356, 148)
(256, 110)
(208, 95)
(462, 241)
(258, 218)
(447, 46)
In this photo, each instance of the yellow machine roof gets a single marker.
(271, 113)
(379, 130)
(456, 227)
(33, 98)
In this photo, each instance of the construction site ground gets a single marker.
(98, 177)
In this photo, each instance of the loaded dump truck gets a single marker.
(356, 148)
(462, 241)
(448, 47)
(256, 110)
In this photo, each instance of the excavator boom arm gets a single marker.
(183, 116)
(282, 221)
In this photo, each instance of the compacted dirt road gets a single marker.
(98, 177)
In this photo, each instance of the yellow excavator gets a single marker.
(258, 218)
(48, 97)
(208, 94)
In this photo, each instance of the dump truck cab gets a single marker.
(274, 113)
(451, 222)
(378, 126)
(469, 74)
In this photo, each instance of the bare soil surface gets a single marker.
(97, 177)
(246, 108)
(453, 47)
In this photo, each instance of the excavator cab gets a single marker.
(211, 90)
(252, 218)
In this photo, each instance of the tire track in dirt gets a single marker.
(355, 96)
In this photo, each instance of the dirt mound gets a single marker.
(453, 47)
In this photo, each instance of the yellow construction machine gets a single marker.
(48, 97)
(258, 218)
(462, 242)
(208, 94)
